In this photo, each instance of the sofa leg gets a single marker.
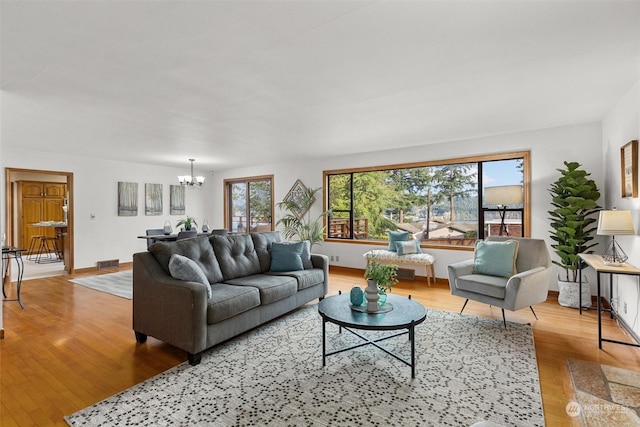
(504, 319)
(534, 313)
(194, 359)
(140, 337)
(464, 305)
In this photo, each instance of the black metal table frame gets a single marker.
(410, 330)
(7, 254)
(611, 311)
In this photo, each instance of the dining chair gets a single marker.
(187, 234)
(153, 232)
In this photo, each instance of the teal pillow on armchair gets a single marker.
(495, 258)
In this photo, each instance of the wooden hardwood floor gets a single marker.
(72, 346)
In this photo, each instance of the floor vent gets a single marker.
(406, 273)
(109, 263)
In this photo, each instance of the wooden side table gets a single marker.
(597, 263)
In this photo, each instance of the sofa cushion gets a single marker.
(236, 255)
(305, 278)
(198, 250)
(495, 258)
(182, 268)
(492, 286)
(227, 301)
(272, 287)
(286, 256)
(262, 244)
(397, 236)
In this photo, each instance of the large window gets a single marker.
(452, 202)
(249, 204)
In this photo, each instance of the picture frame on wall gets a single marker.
(629, 169)
(127, 198)
(176, 200)
(153, 199)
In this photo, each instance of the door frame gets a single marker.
(9, 206)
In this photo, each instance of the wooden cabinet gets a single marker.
(39, 201)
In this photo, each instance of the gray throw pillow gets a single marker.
(183, 268)
(306, 255)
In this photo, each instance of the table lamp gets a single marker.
(502, 196)
(615, 223)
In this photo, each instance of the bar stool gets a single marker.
(48, 245)
(33, 245)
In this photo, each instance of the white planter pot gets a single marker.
(568, 295)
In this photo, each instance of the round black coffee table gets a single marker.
(406, 314)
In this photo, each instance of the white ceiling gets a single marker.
(250, 82)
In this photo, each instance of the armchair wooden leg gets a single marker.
(464, 305)
(534, 313)
(504, 319)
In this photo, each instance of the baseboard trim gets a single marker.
(123, 266)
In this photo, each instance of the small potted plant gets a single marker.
(188, 222)
(380, 279)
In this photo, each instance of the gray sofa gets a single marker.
(244, 292)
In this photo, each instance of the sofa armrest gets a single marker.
(174, 311)
(322, 261)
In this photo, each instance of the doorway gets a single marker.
(13, 217)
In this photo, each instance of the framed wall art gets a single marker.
(176, 200)
(153, 199)
(629, 169)
(127, 198)
(296, 194)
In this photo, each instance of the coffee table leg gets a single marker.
(413, 350)
(324, 344)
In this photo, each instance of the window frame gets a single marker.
(526, 209)
(228, 184)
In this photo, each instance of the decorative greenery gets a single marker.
(574, 198)
(385, 275)
(188, 222)
(303, 227)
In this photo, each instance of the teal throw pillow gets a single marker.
(397, 236)
(183, 268)
(496, 258)
(410, 247)
(286, 256)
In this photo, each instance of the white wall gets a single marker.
(110, 236)
(621, 125)
(549, 148)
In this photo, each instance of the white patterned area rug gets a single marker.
(119, 284)
(469, 369)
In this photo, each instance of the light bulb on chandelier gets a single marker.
(190, 179)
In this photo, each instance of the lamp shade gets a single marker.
(615, 223)
(503, 195)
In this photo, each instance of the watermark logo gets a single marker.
(573, 409)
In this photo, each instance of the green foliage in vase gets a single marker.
(187, 222)
(385, 275)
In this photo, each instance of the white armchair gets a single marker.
(528, 287)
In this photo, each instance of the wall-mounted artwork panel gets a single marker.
(127, 198)
(176, 200)
(153, 199)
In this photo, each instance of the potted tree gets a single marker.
(574, 197)
(298, 223)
